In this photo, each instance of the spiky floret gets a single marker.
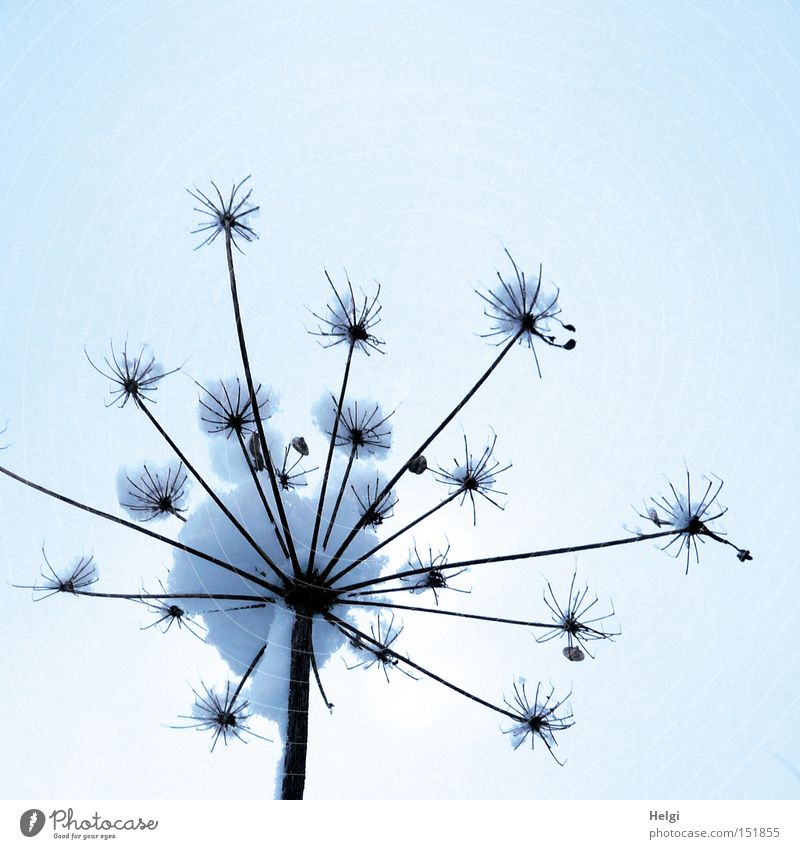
(691, 519)
(156, 494)
(379, 652)
(223, 715)
(537, 718)
(228, 409)
(373, 514)
(526, 311)
(292, 475)
(475, 475)
(348, 322)
(570, 621)
(81, 575)
(362, 429)
(131, 377)
(434, 577)
(225, 215)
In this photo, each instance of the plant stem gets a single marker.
(499, 558)
(254, 406)
(261, 493)
(367, 639)
(294, 755)
(446, 421)
(139, 529)
(214, 497)
(329, 459)
(345, 478)
(393, 537)
(437, 611)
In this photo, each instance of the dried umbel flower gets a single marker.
(170, 614)
(154, 494)
(474, 476)
(524, 311)
(431, 573)
(691, 519)
(349, 323)
(570, 621)
(223, 715)
(362, 428)
(225, 407)
(259, 561)
(378, 650)
(131, 377)
(81, 575)
(374, 514)
(225, 215)
(537, 718)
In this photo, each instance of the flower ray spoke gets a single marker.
(214, 497)
(146, 531)
(506, 558)
(361, 636)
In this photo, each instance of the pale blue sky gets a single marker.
(646, 153)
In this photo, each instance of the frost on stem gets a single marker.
(691, 519)
(131, 376)
(519, 309)
(379, 651)
(474, 476)
(348, 322)
(154, 494)
(537, 718)
(223, 715)
(569, 620)
(81, 575)
(433, 577)
(225, 215)
(226, 407)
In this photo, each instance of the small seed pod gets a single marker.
(418, 465)
(573, 653)
(255, 452)
(300, 445)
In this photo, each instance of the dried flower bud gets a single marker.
(573, 653)
(418, 465)
(300, 445)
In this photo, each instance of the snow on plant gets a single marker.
(690, 519)
(287, 566)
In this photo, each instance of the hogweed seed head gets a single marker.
(378, 651)
(434, 579)
(348, 322)
(131, 376)
(691, 519)
(225, 215)
(373, 515)
(525, 310)
(225, 407)
(476, 475)
(570, 621)
(538, 718)
(223, 715)
(82, 574)
(154, 494)
(362, 427)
